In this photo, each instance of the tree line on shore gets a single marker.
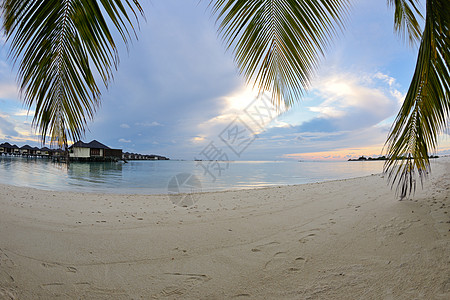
(384, 158)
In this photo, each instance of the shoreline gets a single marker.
(339, 239)
(48, 178)
(183, 193)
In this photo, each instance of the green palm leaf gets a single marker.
(56, 43)
(425, 110)
(278, 43)
(406, 24)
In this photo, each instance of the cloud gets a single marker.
(257, 112)
(7, 128)
(291, 143)
(174, 79)
(124, 141)
(124, 125)
(328, 111)
(197, 139)
(8, 91)
(352, 103)
(319, 124)
(148, 124)
(345, 110)
(24, 113)
(388, 79)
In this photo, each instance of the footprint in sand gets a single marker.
(49, 265)
(172, 291)
(53, 287)
(68, 269)
(52, 284)
(292, 269)
(262, 247)
(82, 284)
(7, 294)
(5, 260)
(72, 269)
(306, 238)
(277, 259)
(187, 282)
(297, 264)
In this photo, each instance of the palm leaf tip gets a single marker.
(407, 17)
(278, 44)
(58, 44)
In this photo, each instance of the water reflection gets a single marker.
(95, 172)
(152, 177)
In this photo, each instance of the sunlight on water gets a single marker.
(152, 177)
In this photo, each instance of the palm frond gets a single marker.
(55, 43)
(425, 110)
(406, 23)
(278, 43)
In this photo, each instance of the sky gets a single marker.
(178, 93)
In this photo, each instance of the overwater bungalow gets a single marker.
(57, 152)
(126, 155)
(27, 150)
(137, 156)
(93, 151)
(45, 151)
(37, 151)
(15, 150)
(5, 148)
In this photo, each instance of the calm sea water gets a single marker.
(153, 177)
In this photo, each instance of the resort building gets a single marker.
(136, 156)
(45, 151)
(5, 148)
(93, 151)
(27, 150)
(15, 150)
(37, 151)
(79, 151)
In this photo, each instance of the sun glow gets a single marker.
(339, 154)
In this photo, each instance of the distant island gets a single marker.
(363, 158)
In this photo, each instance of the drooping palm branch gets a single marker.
(278, 43)
(425, 110)
(58, 44)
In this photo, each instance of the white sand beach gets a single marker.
(345, 239)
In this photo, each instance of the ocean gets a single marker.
(162, 177)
